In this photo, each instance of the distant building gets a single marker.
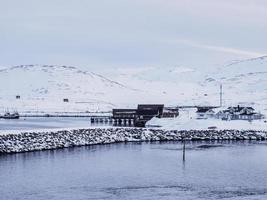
(124, 113)
(205, 112)
(146, 112)
(124, 116)
(170, 112)
(139, 116)
(239, 113)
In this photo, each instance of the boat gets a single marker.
(9, 115)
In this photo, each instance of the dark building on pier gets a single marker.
(66, 100)
(124, 116)
(124, 113)
(146, 112)
(137, 117)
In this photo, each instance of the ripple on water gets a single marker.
(235, 193)
(145, 171)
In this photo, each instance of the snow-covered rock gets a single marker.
(36, 141)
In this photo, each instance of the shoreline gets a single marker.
(49, 139)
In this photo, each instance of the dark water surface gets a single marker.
(31, 123)
(224, 170)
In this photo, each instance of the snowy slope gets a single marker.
(181, 123)
(43, 87)
(244, 82)
(171, 85)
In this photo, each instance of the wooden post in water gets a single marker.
(183, 150)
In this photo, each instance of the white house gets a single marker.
(205, 112)
(239, 113)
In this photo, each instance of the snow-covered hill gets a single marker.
(171, 85)
(244, 82)
(43, 87)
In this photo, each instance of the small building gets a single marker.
(170, 112)
(66, 100)
(146, 112)
(239, 113)
(205, 112)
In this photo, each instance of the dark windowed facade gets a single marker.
(139, 116)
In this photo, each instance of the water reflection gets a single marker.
(212, 170)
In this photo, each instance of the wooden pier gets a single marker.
(111, 121)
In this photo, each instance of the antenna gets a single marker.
(221, 95)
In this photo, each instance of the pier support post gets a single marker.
(183, 150)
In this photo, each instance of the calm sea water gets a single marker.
(31, 123)
(217, 170)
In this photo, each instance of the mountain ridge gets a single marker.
(42, 87)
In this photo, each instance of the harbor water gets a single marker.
(212, 170)
(32, 123)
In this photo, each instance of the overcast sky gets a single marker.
(131, 33)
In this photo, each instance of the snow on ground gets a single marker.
(180, 123)
(168, 85)
(187, 121)
(244, 82)
(43, 87)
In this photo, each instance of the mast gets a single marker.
(221, 95)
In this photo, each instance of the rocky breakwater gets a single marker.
(36, 141)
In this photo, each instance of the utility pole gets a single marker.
(221, 95)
